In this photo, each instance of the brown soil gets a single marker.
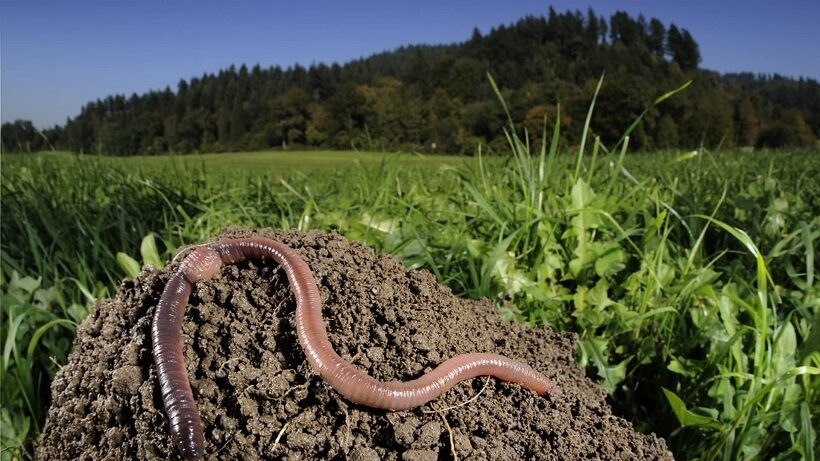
(259, 399)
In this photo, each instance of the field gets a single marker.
(688, 277)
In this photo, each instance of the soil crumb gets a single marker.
(259, 399)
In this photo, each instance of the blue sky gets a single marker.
(57, 55)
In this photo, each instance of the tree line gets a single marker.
(437, 98)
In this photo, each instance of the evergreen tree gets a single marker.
(21, 136)
(683, 48)
(593, 32)
(656, 37)
(623, 29)
(415, 96)
(690, 57)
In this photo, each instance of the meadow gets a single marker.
(689, 277)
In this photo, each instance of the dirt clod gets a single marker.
(253, 385)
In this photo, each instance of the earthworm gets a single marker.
(205, 261)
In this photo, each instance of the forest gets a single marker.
(436, 98)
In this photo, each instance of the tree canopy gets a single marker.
(437, 98)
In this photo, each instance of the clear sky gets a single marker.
(57, 55)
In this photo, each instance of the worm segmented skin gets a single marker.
(353, 384)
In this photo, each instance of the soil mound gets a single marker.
(259, 399)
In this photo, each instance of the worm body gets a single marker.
(353, 384)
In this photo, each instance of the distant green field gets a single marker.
(689, 276)
(273, 161)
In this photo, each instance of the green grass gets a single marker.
(689, 277)
(264, 161)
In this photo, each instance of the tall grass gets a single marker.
(661, 317)
(689, 277)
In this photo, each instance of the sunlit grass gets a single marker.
(688, 276)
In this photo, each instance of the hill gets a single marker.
(437, 98)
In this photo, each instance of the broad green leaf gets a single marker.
(475, 247)
(14, 431)
(382, 225)
(593, 308)
(609, 258)
(513, 279)
(43, 298)
(612, 375)
(598, 295)
(77, 312)
(550, 267)
(686, 417)
(727, 314)
(665, 273)
(499, 252)
(582, 197)
(784, 349)
(775, 220)
(26, 284)
(576, 265)
(790, 408)
(128, 265)
(755, 437)
(682, 367)
(725, 393)
(584, 219)
(149, 252)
